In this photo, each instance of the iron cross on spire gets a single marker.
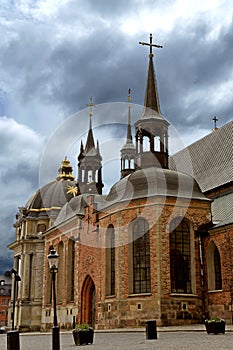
(151, 45)
(215, 120)
(90, 104)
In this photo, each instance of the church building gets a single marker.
(158, 245)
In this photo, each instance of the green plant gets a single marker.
(81, 327)
(215, 319)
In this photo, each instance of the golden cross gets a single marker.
(90, 104)
(151, 45)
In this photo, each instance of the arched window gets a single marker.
(60, 272)
(180, 257)
(70, 270)
(141, 257)
(110, 261)
(214, 267)
(217, 269)
(146, 144)
(89, 176)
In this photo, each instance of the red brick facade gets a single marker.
(124, 308)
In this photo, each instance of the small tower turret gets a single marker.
(90, 163)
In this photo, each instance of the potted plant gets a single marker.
(83, 334)
(215, 325)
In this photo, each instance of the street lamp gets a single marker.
(16, 280)
(53, 265)
(13, 335)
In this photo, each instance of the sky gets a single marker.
(54, 55)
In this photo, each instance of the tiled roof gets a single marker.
(222, 210)
(211, 158)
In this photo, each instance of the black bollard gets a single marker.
(55, 338)
(74, 322)
(13, 340)
(151, 331)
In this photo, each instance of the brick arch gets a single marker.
(88, 301)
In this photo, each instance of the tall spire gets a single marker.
(128, 150)
(151, 101)
(90, 144)
(129, 131)
(151, 130)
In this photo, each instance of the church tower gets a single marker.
(151, 128)
(128, 150)
(90, 163)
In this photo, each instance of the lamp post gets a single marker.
(16, 280)
(13, 335)
(53, 265)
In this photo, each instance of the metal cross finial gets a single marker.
(215, 119)
(90, 104)
(151, 45)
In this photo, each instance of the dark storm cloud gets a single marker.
(191, 65)
(106, 63)
(19, 170)
(7, 235)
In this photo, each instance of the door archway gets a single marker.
(88, 302)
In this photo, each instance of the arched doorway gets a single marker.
(88, 302)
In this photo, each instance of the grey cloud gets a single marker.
(46, 70)
(19, 164)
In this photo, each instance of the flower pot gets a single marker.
(215, 326)
(83, 337)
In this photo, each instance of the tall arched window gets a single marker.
(60, 272)
(141, 257)
(180, 257)
(70, 270)
(217, 269)
(214, 267)
(110, 261)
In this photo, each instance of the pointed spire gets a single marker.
(90, 144)
(151, 101)
(128, 150)
(98, 147)
(129, 131)
(81, 147)
(81, 153)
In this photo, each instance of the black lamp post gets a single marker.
(53, 265)
(13, 335)
(16, 280)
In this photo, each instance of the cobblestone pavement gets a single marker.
(130, 341)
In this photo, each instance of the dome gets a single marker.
(76, 206)
(155, 181)
(48, 200)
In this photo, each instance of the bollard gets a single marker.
(74, 322)
(151, 331)
(13, 340)
(55, 338)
